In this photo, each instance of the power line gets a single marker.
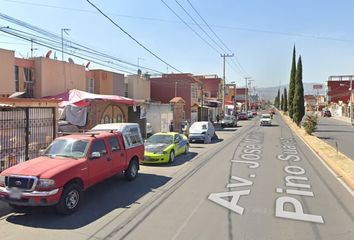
(196, 23)
(195, 32)
(177, 22)
(58, 49)
(221, 41)
(130, 36)
(67, 43)
(208, 26)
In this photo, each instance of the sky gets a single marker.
(260, 33)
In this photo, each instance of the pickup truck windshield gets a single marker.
(71, 148)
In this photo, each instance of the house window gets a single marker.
(28, 84)
(90, 85)
(17, 80)
(194, 91)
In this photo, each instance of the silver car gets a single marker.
(201, 132)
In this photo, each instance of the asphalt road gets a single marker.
(255, 183)
(338, 134)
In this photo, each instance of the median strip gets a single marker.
(338, 162)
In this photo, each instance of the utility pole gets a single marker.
(246, 92)
(62, 41)
(224, 56)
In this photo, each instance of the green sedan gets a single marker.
(163, 147)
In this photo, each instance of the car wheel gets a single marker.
(172, 156)
(132, 171)
(70, 199)
(186, 150)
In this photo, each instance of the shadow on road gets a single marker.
(325, 138)
(181, 159)
(101, 199)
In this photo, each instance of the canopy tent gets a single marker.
(80, 98)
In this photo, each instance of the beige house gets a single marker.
(43, 76)
(138, 87)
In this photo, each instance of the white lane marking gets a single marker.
(297, 214)
(252, 175)
(187, 220)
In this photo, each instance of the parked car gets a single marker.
(164, 147)
(254, 112)
(201, 132)
(243, 116)
(70, 165)
(266, 120)
(249, 114)
(327, 113)
(229, 121)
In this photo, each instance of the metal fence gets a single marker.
(23, 132)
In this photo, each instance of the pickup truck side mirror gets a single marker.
(95, 155)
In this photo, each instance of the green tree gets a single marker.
(285, 100)
(276, 101)
(298, 102)
(292, 84)
(282, 102)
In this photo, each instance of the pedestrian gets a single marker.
(217, 118)
(171, 126)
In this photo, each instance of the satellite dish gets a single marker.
(48, 54)
(71, 60)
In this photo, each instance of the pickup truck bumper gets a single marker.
(34, 198)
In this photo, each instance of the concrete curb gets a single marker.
(338, 162)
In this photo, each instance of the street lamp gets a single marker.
(66, 31)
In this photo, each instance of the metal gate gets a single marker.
(23, 132)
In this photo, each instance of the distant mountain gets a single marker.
(269, 93)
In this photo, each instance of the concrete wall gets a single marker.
(54, 77)
(7, 72)
(159, 115)
(138, 87)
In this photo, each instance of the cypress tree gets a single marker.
(278, 106)
(276, 101)
(298, 101)
(282, 102)
(292, 84)
(285, 100)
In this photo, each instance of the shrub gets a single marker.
(310, 124)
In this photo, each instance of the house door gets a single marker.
(113, 114)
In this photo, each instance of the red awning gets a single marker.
(79, 98)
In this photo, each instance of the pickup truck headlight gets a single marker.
(45, 183)
(2, 181)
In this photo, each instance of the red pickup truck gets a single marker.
(70, 165)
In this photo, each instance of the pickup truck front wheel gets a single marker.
(70, 199)
(132, 170)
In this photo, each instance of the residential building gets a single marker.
(138, 87)
(338, 88)
(105, 82)
(184, 85)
